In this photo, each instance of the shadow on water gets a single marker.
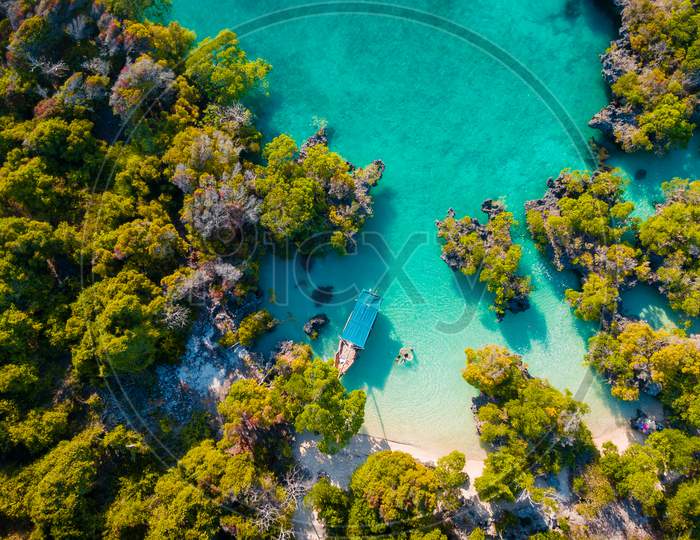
(474, 293)
(383, 208)
(646, 303)
(573, 9)
(374, 364)
(599, 14)
(519, 330)
(560, 282)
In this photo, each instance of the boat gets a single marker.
(357, 328)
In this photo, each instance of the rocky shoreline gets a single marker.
(580, 222)
(656, 82)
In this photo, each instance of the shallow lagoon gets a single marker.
(453, 126)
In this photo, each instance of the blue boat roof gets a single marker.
(362, 318)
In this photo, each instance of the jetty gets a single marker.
(356, 330)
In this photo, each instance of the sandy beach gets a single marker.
(339, 467)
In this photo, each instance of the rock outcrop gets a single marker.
(314, 324)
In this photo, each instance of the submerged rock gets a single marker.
(492, 208)
(314, 324)
(640, 174)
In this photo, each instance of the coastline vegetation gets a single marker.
(531, 428)
(584, 224)
(134, 189)
(533, 431)
(671, 239)
(653, 70)
(489, 250)
(391, 494)
(635, 358)
(103, 274)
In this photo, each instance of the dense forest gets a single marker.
(135, 191)
(134, 188)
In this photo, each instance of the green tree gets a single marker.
(116, 325)
(255, 325)
(597, 299)
(391, 492)
(683, 510)
(495, 371)
(635, 474)
(220, 68)
(505, 475)
(331, 503)
(670, 235)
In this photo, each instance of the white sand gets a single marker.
(622, 435)
(339, 467)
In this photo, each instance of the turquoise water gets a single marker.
(454, 126)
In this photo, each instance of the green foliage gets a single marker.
(137, 9)
(649, 474)
(450, 475)
(495, 371)
(211, 489)
(127, 516)
(391, 494)
(29, 254)
(331, 503)
(636, 357)
(635, 474)
(197, 429)
(391, 487)
(169, 44)
(678, 451)
(305, 393)
(221, 69)
(477, 534)
(254, 325)
(598, 298)
(672, 235)
(58, 494)
(594, 489)
(127, 191)
(39, 429)
(504, 476)
(683, 510)
(661, 59)
(533, 427)
(581, 223)
(181, 510)
(666, 125)
(313, 197)
(116, 325)
(489, 250)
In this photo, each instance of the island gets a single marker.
(471, 247)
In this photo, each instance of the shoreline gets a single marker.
(340, 466)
